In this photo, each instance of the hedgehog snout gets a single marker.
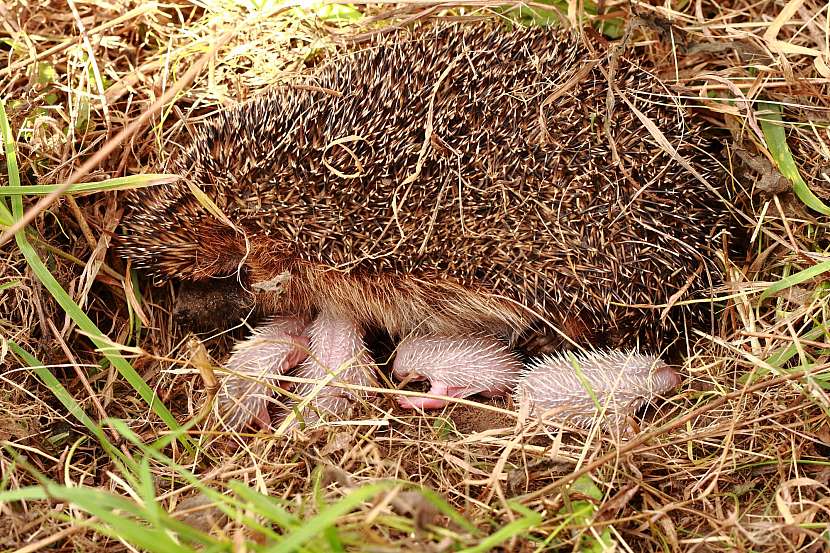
(215, 304)
(666, 378)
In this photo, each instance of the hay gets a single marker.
(736, 460)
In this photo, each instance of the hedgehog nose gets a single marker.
(670, 376)
(211, 305)
(185, 316)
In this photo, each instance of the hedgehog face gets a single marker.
(212, 305)
(664, 378)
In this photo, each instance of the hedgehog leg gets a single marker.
(557, 386)
(436, 389)
(339, 354)
(274, 348)
(456, 366)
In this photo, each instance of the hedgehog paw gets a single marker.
(254, 366)
(437, 389)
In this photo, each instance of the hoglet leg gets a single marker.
(455, 366)
(336, 348)
(273, 349)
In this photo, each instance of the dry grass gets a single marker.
(737, 460)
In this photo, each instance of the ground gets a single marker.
(95, 91)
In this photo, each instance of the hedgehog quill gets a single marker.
(454, 187)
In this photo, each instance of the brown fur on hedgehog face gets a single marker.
(443, 190)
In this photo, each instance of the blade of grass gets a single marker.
(118, 183)
(66, 399)
(265, 506)
(772, 126)
(143, 523)
(65, 300)
(801, 276)
(29, 493)
(781, 357)
(445, 508)
(125, 520)
(154, 452)
(515, 528)
(231, 505)
(328, 517)
(9, 285)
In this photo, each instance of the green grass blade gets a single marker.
(265, 506)
(801, 276)
(10, 284)
(72, 309)
(143, 523)
(779, 358)
(66, 399)
(447, 510)
(782, 356)
(232, 506)
(328, 517)
(333, 540)
(776, 138)
(517, 527)
(118, 183)
(29, 493)
(114, 512)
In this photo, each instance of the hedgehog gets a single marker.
(450, 361)
(580, 386)
(462, 188)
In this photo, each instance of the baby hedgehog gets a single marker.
(455, 187)
(579, 386)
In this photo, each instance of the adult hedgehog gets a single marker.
(459, 187)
